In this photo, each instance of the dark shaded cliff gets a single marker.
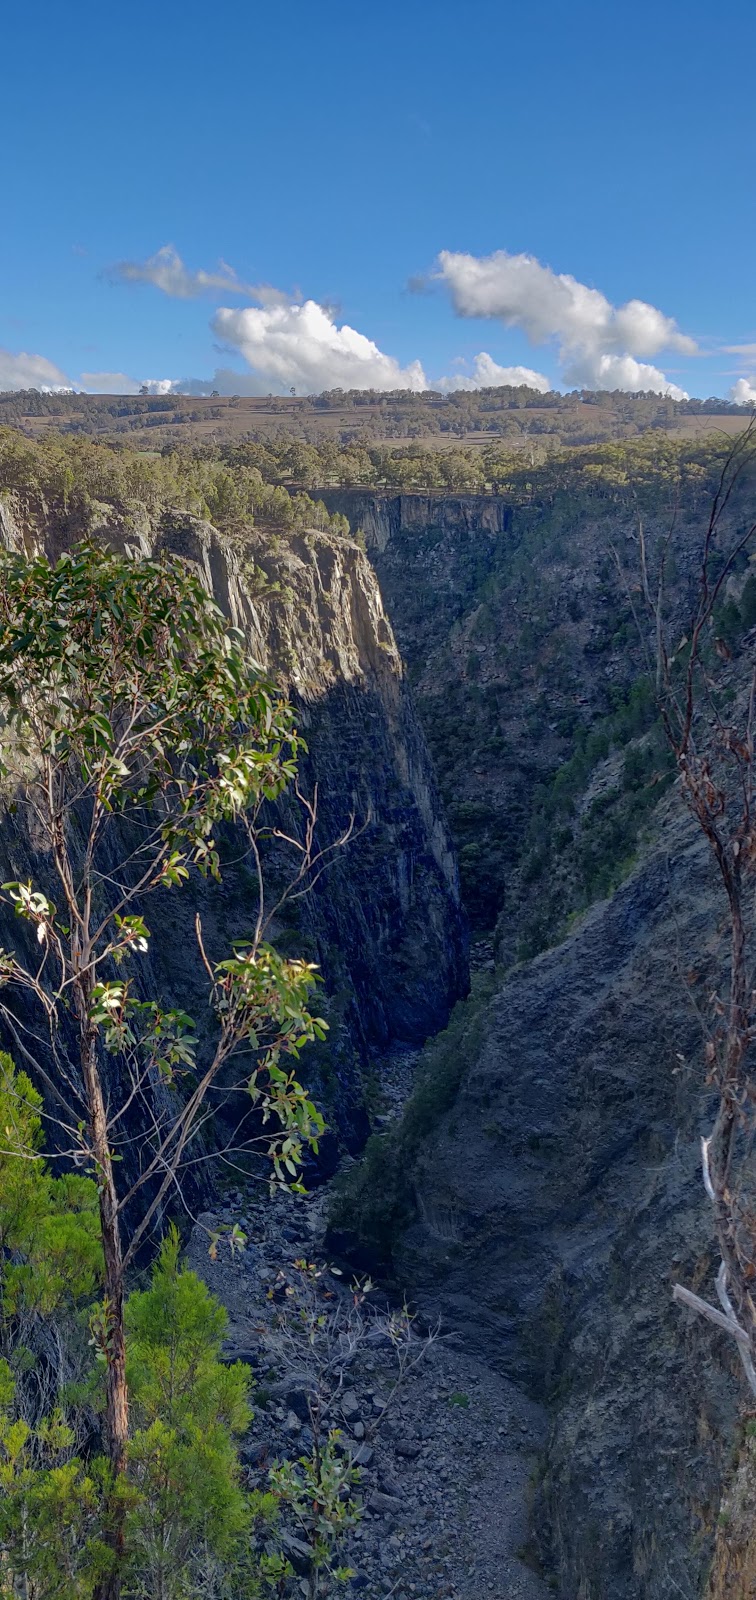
(517, 628)
(544, 1191)
(555, 1202)
(551, 1188)
(384, 923)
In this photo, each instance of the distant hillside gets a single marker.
(521, 418)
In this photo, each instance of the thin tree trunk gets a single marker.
(116, 1391)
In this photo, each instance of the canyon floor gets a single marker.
(445, 1476)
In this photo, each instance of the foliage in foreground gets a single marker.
(191, 1527)
(188, 1521)
(133, 727)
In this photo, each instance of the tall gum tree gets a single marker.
(133, 724)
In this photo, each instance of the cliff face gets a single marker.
(560, 1195)
(391, 903)
(517, 619)
(559, 1199)
(387, 518)
(384, 922)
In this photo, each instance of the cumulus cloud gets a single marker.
(26, 371)
(744, 392)
(302, 347)
(487, 374)
(121, 383)
(596, 371)
(599, 344)
(159, 385)
(166, 270)
(227, 381)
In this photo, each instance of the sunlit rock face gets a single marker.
(384, 922)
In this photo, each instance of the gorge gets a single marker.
(470, 681)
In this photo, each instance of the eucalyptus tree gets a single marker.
(134, 725)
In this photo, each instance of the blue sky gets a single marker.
(531, 168)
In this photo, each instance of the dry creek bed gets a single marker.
(445, 1476)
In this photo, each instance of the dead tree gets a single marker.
(713, 749)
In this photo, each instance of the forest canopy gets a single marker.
(274, 483)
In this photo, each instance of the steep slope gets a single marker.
(514, 614)
(555, 1202)
(384, 923)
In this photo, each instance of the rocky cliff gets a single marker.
(555, 1202)
(384, 923)
(551, 1189)
(515, 616)
(544, 1197)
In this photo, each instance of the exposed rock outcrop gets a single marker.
(517, 616)
(384, 923)
(384, 518)
(556, 1203)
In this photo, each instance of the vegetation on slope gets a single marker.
(375, 1199)
(73, 474)
(531, 676)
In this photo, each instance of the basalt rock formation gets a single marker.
(516, 615)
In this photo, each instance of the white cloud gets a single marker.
(744, 392)
(26, 371)
(301, 347)
(226, 381)
(166, 270)
(158, 385)
(121, 383)
(598, 343)
(596, 371)
(487, 374)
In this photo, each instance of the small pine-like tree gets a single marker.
(187, 1522)
(50, 1267)
(188, 1510)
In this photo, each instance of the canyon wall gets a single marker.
(554, 1198)
(521, 646)
(385, 922)
(557, 1201)
(555, 1194)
